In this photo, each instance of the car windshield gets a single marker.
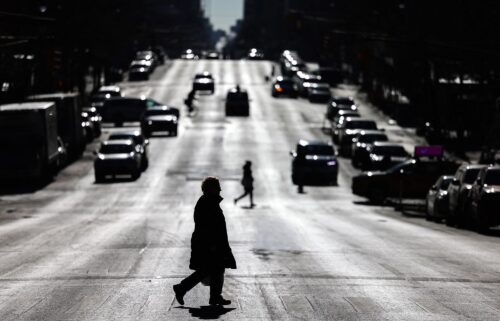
(389, 150)
(319, 150)
(445, 183)
(136, 139)
(470, 175)
(404, 165)
(370, 138)
(116, 149)
(159, 112)
(361, 125)
(343, 101)
(492, 177)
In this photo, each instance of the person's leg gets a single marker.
(216, 284)
(192, 280)
(240, 197)
(251, 198)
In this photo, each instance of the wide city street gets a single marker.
(77, 250)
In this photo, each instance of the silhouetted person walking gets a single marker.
(210, 250)
(189, 100)
(247, 182)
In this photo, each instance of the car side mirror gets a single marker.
(434, 188)
(478, 181)
(382, 129)
(293, 153)
(146, 142)
(455, 182)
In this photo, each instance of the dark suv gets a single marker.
(237, 103)
(313, 162)
(485, 198)
(125, 109)
(410, 179)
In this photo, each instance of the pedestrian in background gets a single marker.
(247, 182)
(210, 250)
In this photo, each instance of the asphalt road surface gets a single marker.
(76, 250)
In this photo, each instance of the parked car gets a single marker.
(284, 86)
(360, 143)
(204, 82)
(106, 92)
(409, 179)
(338, 121)
(485, 198)
(148, 55)
(125, 109)
(140, 141)
(348, 129)
(314, 162)
(458, 194)
(304, 81)
(437, 199)
(319, 93)
(237, 103)
(117, 157)
(160, 119)
(384, 155)
(339, 103)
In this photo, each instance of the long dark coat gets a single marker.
(209, 244)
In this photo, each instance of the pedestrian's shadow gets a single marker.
(207, 312)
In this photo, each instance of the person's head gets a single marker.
(247, 164)
(211, 186)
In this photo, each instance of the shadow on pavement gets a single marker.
(208, 312)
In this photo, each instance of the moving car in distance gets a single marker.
(237, 102)
(212, 55)
(485, 198)
(458, 194)
(319, 93)
(437, 199)
(139, 71)
(384, 155)
(204, 82)
(314, 162)
(189, 54)
(117, 157)
(337, 104)
(284, 86)
(159, 119)
(140, 141)
(255, 54)
(95, 119)
(409, 179)
(88, 127)
(361, 142)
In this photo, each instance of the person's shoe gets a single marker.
(219, 301)
(235, 201)
(179, 294)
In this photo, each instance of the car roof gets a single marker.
(358, 119)
(26, 106)
(204, 73)
(59, 95)
(371, 132)
(129, 133)
(304, 142)
(471, 166)
(118, 142)
(377, 143)
(110, 88)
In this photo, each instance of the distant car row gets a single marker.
(302, 84)
(471, 197)
(145, 63)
